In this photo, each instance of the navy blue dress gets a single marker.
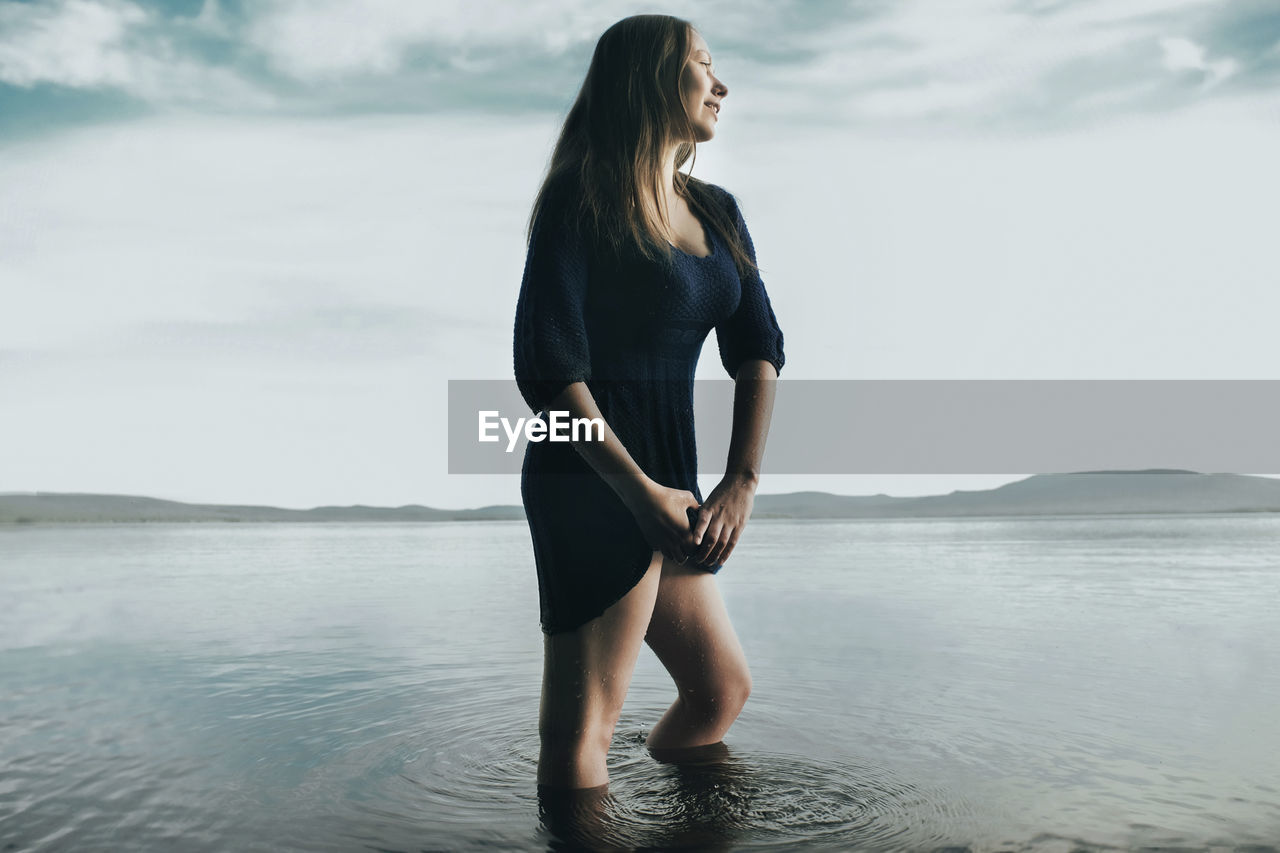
(632, 329)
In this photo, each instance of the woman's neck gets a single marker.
(669, 175)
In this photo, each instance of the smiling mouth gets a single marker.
(715, 109)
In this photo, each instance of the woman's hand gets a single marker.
(721, 519)
(664, 517)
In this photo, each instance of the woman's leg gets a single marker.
(691, 634)
(585, 677)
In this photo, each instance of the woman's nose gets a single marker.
(720, 88)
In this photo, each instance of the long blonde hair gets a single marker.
(610, 148)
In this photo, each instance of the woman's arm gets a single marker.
(661, 512)
(722, 518)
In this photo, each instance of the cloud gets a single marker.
(324, 40)
(73, 43)
(984, 64)
(117, 45)
(1182, 55)
(1249, 31)
(210, 20)
(976, 63)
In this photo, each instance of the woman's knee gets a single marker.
(725, 696)
(736, 694)
(735, 685)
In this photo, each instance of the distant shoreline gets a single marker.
(755, 517)
(1155, 492)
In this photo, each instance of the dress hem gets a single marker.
(636, 577)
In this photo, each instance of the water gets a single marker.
(995, 685)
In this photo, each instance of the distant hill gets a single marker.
(1086, 493)
(55, 508)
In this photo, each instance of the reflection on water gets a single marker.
(1033, 685)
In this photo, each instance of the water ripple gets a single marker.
(747, 798)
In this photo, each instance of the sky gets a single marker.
(244, 246)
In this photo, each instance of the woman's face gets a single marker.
(700, 90)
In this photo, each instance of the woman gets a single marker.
(630, 265)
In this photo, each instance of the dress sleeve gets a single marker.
(550, 344)
(752, 330)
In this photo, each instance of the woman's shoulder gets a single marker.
(557, 208)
